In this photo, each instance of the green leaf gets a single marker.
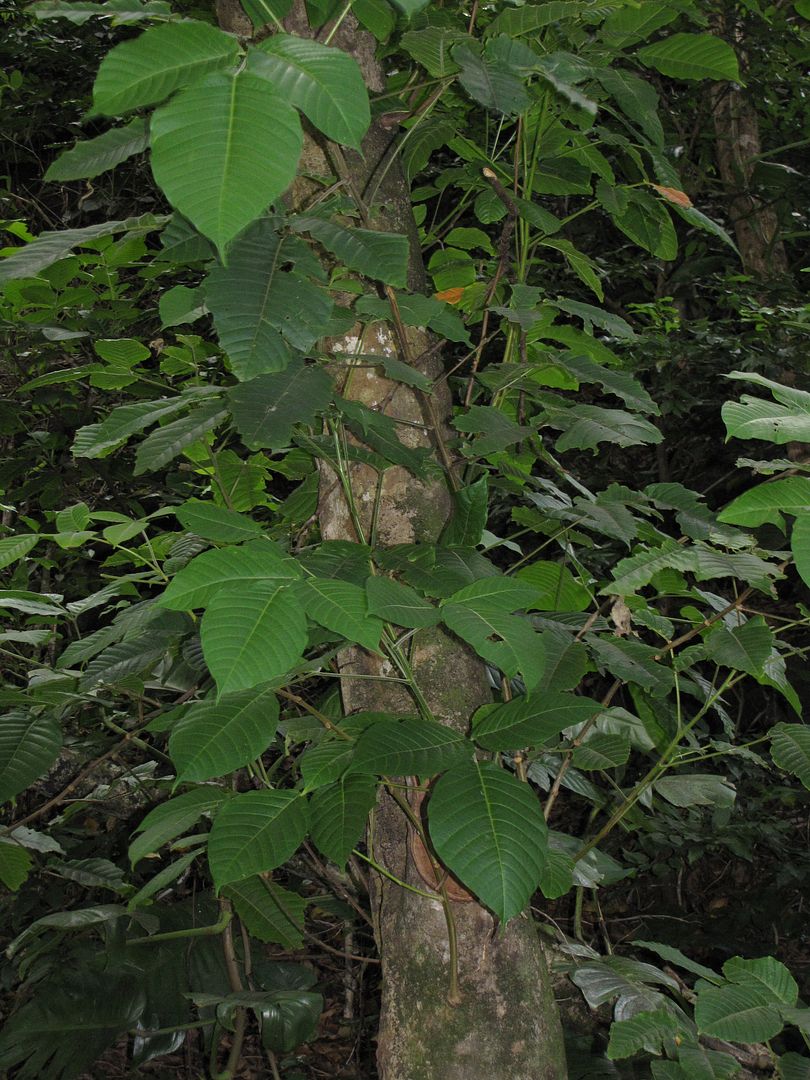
(257, 562)
(555, 587)
(742, 1014)
(215, 523)
(98, 440)
(261, 308)
(380, 256)
(270, 913)
(790, 750)
(629, 25)
(696, 789)
(14, 548)
(530, 721)
(601, 751)
(88, 159)
(399, 604)
(338, 815)
(325, 763)
(288, 1019)
(692, 56)
(649, 1032)
(800, 546)
(488, 829)
(174, 818)
(516, 22)
(159, 61)
(586, 426)
(215, 738)
(165, 443)
(488, 80)
(341, 607)
(324, 83)
(646, 222)
(470, 510)
(755, 418)
(29, 745)
(408, 747)
(255, 832)
(766, 974)
(266, 409)
(508, 641)
(745, 648)
(223, 150)
(636, 98)
(15, 864)
(180, 305)
(676, 957)
(638, 570)
(767, 502)
(431, 48)
(494, 594)
(251, 633)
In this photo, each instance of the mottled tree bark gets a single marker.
(506, 1024)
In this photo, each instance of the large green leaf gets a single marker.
(223, 150)
(530, 721)
(765, 973)
(341, 607)
(488, 829)
(756, 418)
(257, 831)
(15, 864)
(508, 641)
(252, 632)
(214, 522)
(338, 815)
(270, 913)
(602, 750)
(470, 510)
(495, 594)
(692, 56)
(743, 1014)
(399, 604)
(153, 65)
(800, 546)
(745, 648)
(767, 502)
(174, 818)
(98, 440)
(29, 745)
(790, 749)
(325, 84)
(488, 79)
(638, 570)
(213, 739)
(256, 562)
(408, 747)
(13, 548)
(165, 443)
(87, 159)
(266, 409)
(377, 255)
(555, 587)
(262, 309)
(66, 1026)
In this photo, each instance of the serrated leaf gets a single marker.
(601, 750)
(380, 256)
(174, 818)
(262, 308)
(341, 607)
(159, 61)
(252, 633)
(88, 159)
(646, 1031)
(325, 763)
(338, 815)
(97, 440)
(29, 745)
(765, 973)
(165, 443)
(692, 56)
(324, 83)
(431, 48)
(256, 562)
(586, 426)
(790, 750)
(223, 150)
(530, 721)
(266, 409)
(216, 523)
(741, 1014)
(399, 604)
(270, 913)
(255, 832)
(215, 738)
(408, 747)
(488, 829)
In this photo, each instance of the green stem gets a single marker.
(174, 935)
(392, 877)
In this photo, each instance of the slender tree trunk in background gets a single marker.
(506, 1025)
(736, 126)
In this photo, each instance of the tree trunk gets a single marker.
(505, 1023)
(736, 126)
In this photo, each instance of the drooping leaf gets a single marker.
(215, 738)
(98, 440)
(165, 443)
(530, 721)
(88, 159)
(488, 829)
(800, 546)
(508, 641)
(555, 587)
(252, 632)
(223, 150)
(256, 562)
(270, 913)
(266, 409)
(15, 864)
(29, 745)
(790, 749)
(646, 1031)
(163, 59)
(765, 973)
(341, 607)
(602, 750)
(377, 255)
(692, 56)
(408, 747)
(174, 818)
(431, 46)
(638, 570)
(745, 648)
(338, 814)
(255, 832)
(13, 548)
(324, 83)
(696, 789)
(399, 604)
(470, 509)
